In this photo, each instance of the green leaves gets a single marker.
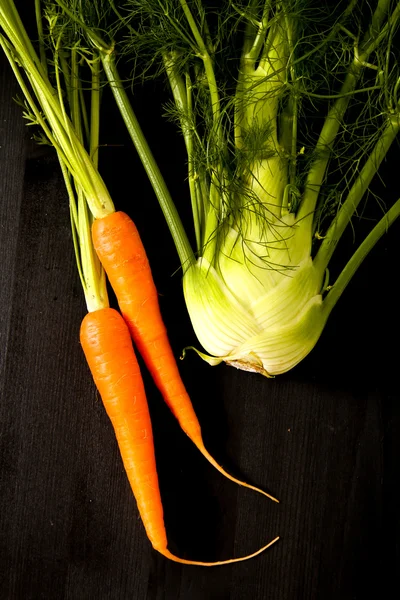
(287, 110)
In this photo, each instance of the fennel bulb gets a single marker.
(287, 109)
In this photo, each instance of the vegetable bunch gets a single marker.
(106, 242)
(284, 137)
(287, 110)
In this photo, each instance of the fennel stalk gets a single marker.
(287, 109)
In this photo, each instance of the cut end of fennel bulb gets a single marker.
(259, 320)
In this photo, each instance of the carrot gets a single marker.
(122, 254)
(107, 345)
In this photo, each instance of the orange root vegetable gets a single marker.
(122, 254)
(107, 345)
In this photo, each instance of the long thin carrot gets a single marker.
(104, 335)
(122, 254)
(107, 345)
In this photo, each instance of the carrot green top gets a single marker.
(52, 88)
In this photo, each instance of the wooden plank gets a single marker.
(12, 165)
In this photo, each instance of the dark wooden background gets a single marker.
(324, 438)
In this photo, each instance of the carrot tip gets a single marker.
(211, 460)
(174, 558)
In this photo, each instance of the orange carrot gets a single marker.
(108, 348)
(122, 254)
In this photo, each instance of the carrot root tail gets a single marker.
(219, 563)
(212, 461)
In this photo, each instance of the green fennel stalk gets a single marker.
(287, 109)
